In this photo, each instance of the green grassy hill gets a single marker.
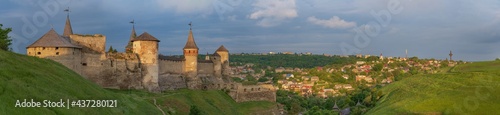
(23, 77)
(213, 102)
(466, 89)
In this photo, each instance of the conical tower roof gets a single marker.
(222, 48)
(67, 28)
(133, 34)
(52, 39)
(335, 107)
(145, 37)
(190, 44)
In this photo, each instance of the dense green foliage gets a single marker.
(365, 96)
(23, 77)
(5, 40)
(289, 60)
(465, 89)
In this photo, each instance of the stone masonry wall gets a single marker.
(171, 81)
(255, 93)
(243, 93)
(147, 50)
(90, 43)
(205, 68)
(171, 67)
(111, 72)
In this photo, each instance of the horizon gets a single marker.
(468, 28)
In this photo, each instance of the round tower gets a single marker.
(223, 53)
(147, 47)
(190, 55)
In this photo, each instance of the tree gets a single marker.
(378, 67)
(295, 108)
(314, 111)
(444, 63)
(263, 79)
(5, 40)
(111, 50)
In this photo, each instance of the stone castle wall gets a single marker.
(255, 93)
(205, 68)
(113, 73)
(170, 67)
(150, 77)
(90, 43)
(243, 93)
(171, 81)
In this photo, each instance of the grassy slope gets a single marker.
(212, 102)
(470, 88)
(24, 77)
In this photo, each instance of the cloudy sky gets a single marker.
(427, 28)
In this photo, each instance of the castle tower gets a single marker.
(54, 46)
(67, 28)
(190, 54)
(223, 53)
(217, 65)
(128, 48)
(146, 46)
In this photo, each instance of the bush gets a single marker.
(237, 79)
(263, 79)
(194, 110)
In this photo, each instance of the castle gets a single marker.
(141, 66)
